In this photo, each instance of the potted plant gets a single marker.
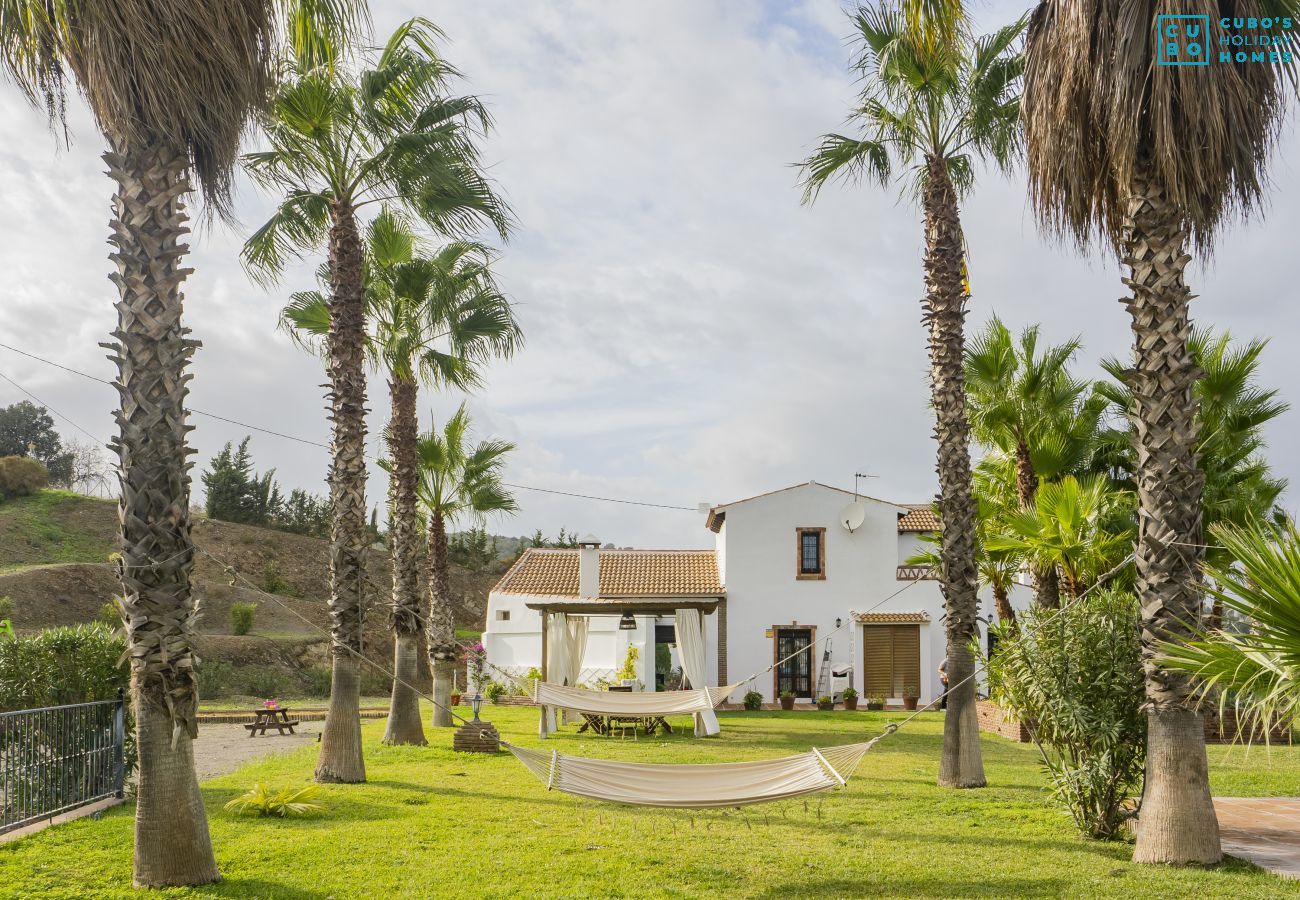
(753, 700)
(911, 693)
(875, 704)
(455, 699)
(494, 691)
(850, 698)
(787, 700)
(824, 702)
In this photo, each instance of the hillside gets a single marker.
(55, 550)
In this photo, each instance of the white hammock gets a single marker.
(632, 703)
(695, 786)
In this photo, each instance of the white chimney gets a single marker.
(588, 567)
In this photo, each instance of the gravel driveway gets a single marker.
(223, 748)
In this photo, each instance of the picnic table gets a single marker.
(606, 725)
(271, 717)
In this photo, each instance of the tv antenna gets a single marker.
(858, 476)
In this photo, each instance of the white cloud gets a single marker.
(694, 333)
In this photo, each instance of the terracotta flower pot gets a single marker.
(850, 702)
(455, 699)
(875, 707)
(787, 703)
(909, 702)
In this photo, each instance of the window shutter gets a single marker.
(907, 658)
(878, 660)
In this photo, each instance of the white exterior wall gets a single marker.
(861, 572)
(757, 559)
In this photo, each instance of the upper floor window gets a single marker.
(503, 615)
(811, 553)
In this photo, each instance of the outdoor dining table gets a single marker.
(605, 725)
(271, 717)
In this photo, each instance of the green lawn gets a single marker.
(434, 823)
(52, 526)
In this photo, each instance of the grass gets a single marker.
(49, 527)
(431, 822)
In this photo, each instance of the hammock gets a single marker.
(700, 702)
(695, 786)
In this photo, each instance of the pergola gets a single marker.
(618, 606)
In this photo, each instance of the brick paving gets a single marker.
(1263, 830)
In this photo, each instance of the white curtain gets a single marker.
(566, 643)
(690, 646)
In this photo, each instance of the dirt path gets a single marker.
(223, 748)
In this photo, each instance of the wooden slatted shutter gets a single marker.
(878, 660)
(891, 659)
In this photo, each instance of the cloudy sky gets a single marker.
(693, 332)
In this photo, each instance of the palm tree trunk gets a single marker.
(404, 725)
(340, 758)
(1177, 822)
(1002, 603)
(441, 625)
(961, 764)
(172, 845)
(1047, 587)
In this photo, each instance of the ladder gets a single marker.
(824, 673)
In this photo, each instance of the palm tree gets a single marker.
(1258, 669)
(1023, 400)
(172, 86)
(337, 144)
(457, 481)
(1148, 160)
(436, 320)
(1070, 529)
(934, 106)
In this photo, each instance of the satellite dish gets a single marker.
(853, 515)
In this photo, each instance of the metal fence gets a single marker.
(59, 758)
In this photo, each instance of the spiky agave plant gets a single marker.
(1151, 160)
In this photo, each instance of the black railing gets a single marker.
(56, 759)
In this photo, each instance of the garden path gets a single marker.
(224, 748)
(1263, 830)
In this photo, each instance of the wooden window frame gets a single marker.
(799, 573)
(812, 659)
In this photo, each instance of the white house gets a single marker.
(810, 578)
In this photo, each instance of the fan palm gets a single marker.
(340, 142)
(1150, 160)
(172, 85)
(1023, 400)
(933, 106)
(1257, 670)
(458, 481)
(436, 320)
(1069, 529)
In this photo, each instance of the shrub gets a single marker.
(7, 607)
(73, 664)
(284, 803)
(849, 693)
(20, 476)
(753, 700)
(272, 582)
(108, 615)
(265, 683)
(1076, 677)
(241, 617)
(374, 683)
(494, 692)
(317, 681)
(214, 678)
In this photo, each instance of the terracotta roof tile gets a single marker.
(919, 518)
(623, 573)
(892, 618)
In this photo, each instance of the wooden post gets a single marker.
(545, 629)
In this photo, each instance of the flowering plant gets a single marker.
(475, 660)
(270, 704)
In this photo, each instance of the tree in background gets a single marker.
(172, 87)
(1149, 160)
(936, 103)
(458, 481)
(27, 430)
(339, 141)
(437, 319)
(1024, 402)
(235, 492)
(473, 549)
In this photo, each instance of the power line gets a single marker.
(301, 440)
(51, 409)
